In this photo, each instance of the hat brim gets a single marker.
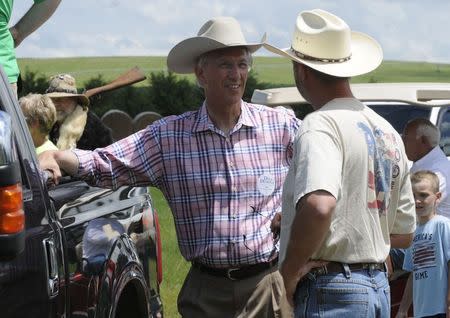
(183, 56)
(82, 99)
(367, 55)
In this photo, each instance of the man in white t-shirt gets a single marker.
(347, 197)
(421, 140)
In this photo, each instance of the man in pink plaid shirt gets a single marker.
(221, 169)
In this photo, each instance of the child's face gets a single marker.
(425, 199)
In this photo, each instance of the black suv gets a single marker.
(71, 250)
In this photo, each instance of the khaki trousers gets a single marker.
(260, 296)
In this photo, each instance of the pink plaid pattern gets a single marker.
(214, 184)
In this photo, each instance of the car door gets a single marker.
(31, 284)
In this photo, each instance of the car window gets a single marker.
(444, 127)
(399, 115)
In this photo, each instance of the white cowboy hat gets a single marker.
(325, 43)
(217, 33)
(63, 85)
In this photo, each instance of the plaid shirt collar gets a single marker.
(204, 123)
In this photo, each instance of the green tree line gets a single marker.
(165, 93)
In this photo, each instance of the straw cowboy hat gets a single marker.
(217, 33)
(325, 43)
(63, 85)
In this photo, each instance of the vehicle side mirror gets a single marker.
(12, 216)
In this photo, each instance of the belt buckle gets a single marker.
(229, 271)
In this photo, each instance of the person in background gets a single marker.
(10, 38)
(421, 138)
(347, 196)
(428, 258)
(221, 169)
(76, 126)
(40, 115)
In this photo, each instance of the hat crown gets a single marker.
(322, 35)
(62, 83)
(225, 30)
(216, 33)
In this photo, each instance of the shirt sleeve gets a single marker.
(294, 126)
(135, 160)
(445, 237)
(407, 262)
(319, 164)
(405, 217)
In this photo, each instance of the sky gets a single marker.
(408, 30)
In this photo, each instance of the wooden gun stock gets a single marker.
(132, 76)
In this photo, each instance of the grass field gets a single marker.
(175, 267)
(273, 70)
(268, 69)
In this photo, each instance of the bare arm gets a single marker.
(33, 19)
(57, 162)
(406, 301)
(401, 240)
(309, 228)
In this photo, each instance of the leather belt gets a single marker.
(236, 273)
(336, 267)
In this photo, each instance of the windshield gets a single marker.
(398, 115)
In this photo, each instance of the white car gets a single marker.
(397, 102)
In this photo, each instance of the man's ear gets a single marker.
(301, 71)
(200, 74)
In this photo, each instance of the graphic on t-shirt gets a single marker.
(381, 150)
(424, 255)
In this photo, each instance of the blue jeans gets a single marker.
(362, 293)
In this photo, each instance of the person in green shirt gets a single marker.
(11, 37)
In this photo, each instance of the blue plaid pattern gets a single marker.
(210, 180)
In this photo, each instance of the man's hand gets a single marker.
(292, 278)
(57, 162)
(275, 225)
(48, 163)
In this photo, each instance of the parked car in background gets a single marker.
(70, 250)
(396, 102)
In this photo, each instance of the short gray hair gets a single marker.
(425, 128)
